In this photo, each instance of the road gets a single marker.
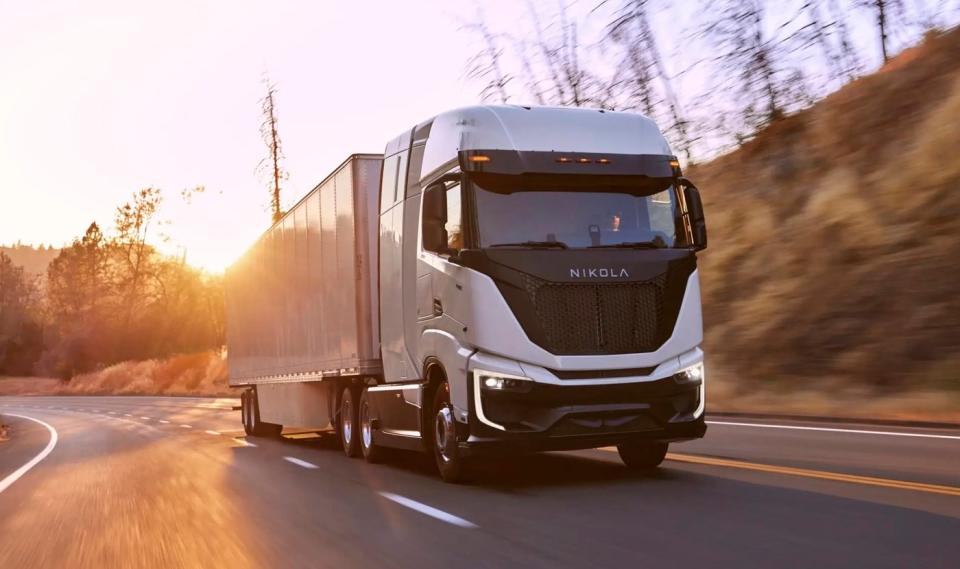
(170, 482)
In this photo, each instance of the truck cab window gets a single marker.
(454, 225)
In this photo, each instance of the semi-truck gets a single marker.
(501, 279)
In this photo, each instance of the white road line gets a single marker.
(833, 430)
(246, 443)
(164, 422)
(299, 462)
(112, 412)
(428, 510)
(185, 427)
(16, 474)
(216, 433)
(127, 415)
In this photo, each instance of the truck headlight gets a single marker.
(496, 381)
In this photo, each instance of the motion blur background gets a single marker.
(823, 134)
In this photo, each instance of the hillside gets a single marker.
(834, 258)
(34, 260)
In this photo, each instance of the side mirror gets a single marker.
(698, 223)
(434, 232)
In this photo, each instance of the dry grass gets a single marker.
(835, 245)
(192, 374)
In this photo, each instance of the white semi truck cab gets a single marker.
(530, 282)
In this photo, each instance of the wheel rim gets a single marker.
(247, 412)
(444, 434)
(346, 421)
(366, 432)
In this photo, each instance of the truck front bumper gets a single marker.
(539, 417)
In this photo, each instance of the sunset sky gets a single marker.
(103, 97)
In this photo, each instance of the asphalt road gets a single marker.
(169, 482)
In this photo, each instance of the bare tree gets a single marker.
(487, 65)
(883, 11)
(764, 85)
(644, 71)
(271, 137)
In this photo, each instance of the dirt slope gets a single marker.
(835, 238)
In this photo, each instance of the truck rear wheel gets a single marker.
(446, 452)
(250, 414)
(372, 452)
(349, 437)
(642, 455)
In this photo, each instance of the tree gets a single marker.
(133, 221)
(80, 302)
(883, 11)
(20, 331)
(271, 137)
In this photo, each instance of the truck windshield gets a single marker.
(560, 212)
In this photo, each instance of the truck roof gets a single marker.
(527, 128)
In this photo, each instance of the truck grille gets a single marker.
(599, 318)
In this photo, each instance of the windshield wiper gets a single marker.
(632, 245)
(535, 244)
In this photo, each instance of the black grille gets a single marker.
(599, 318)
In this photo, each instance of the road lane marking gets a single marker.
(127, 415)
(145, 418)
(299, 462)
(164, 422)
(245, 442)
(16, 474)
(215, 433)
(428, 510)
(112, 412)
(835, 430)
(185, 427)
(806, 473)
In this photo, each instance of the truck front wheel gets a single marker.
(349, 435)
(446, 452)
(642, 455)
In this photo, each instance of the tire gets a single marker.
(443, 439)
(348, 422)
(250, 414)
(372, 452)
(642, 455)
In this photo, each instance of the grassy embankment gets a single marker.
(831, 281)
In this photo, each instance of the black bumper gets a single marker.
(551, 417)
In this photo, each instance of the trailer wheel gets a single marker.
(372, 452)
(349, 436)
(250, 413)
(642, 455)
(446, 452)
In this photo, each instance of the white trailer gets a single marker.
(302, 303)
(502, 278)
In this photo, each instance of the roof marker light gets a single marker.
(479, 158)
(603, 161)
(584, 160)
(564, 160)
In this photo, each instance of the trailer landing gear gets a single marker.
(250, 414)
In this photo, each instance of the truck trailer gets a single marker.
(502, 279)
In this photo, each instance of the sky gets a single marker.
(100, 98)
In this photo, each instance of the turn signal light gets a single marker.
(479, 158)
